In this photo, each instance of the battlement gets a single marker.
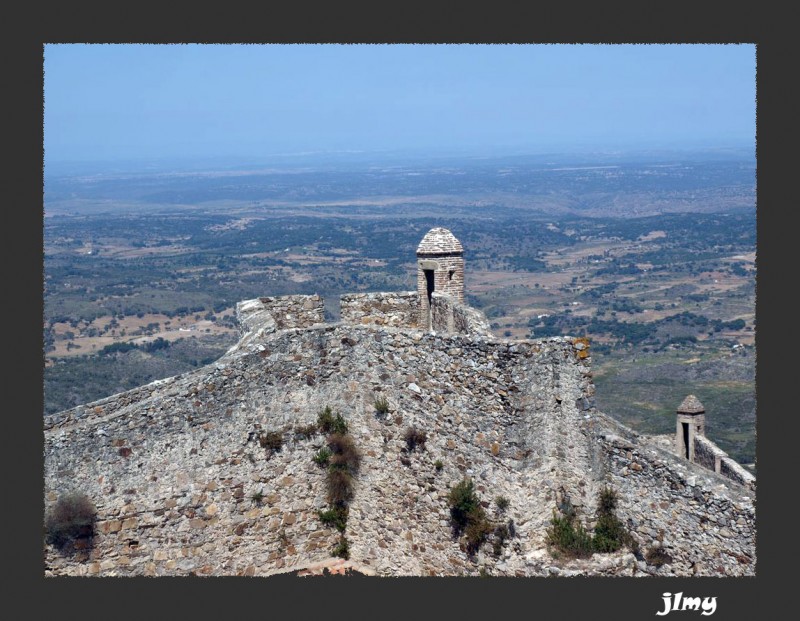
(401, 309)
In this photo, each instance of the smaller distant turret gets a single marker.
(691, 421)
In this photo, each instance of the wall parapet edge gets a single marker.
(394, 309)
(295, 311)
(712, 457)
(706, 526)
(452, 316)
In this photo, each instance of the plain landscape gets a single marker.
(649, 255)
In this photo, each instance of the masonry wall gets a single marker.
(736, 472)
(707, 529)
(182, 484)
(175, 465)
(295, 311)
(442, 282)
(708, 454)
(381, 309)
(451, 316)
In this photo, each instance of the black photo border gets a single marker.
(28, 28)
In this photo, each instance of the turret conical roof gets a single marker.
(439, 241)
(691, 405)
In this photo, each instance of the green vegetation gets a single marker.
(81, 379)
(323, 456)
(70, 523)
(463, 502)
(609, 533)
(122, 347)
(336, 517)
(381, 406)
(528, 264)
(567, 537)
(467, 515)
(502, 503)
(438, 464)
(342, 459)
(117, 348)
(477, 531)
(257, 497)
(658, 334)
(330, 423)
(342, 548)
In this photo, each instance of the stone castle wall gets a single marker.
(734, 471)
(451, 316)
(381, 309)
(709, 455)
(706, 453)
(707, 528)
(295, 311)
(174, 465)
(183, 486)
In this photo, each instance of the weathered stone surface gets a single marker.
(681, 497)
(381, 309)
(440, 270)
(295, 311)
(691, 405)
(517, 417)
(439, 241)
(450, 316)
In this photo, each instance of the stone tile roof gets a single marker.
(691, 405)
(438, 241)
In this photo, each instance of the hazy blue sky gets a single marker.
(105, 102)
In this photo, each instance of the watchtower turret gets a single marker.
(440, 267)
(691, 421)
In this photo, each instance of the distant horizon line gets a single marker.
(745, 151)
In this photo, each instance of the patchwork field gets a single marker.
(658, 271)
